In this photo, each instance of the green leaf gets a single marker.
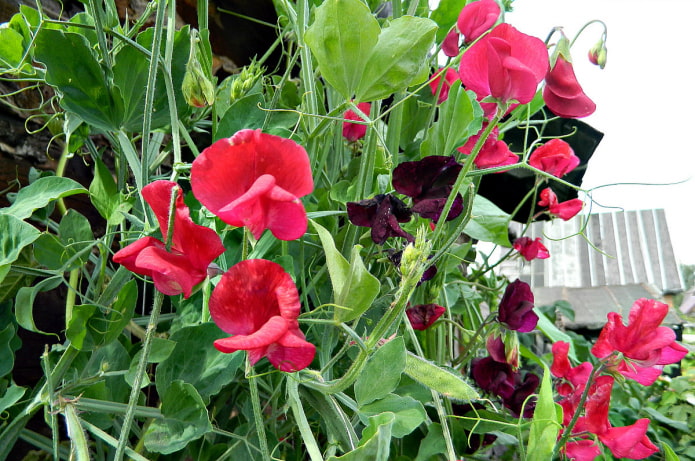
(669, 454)
(244, 113)
(382, 373)
(554, 334)
(460, 117)
(7, 348)
(375, 444)
(354, 288)
(443, 381)
(194, 360)
(160, 351)
(103, 191)
(11, 396)
(24, 302)
(11, 49)
(77, 237)
(185, 420)
(433, 444)
(409, 413)
(343, 46)
(15, 235)
(545, 425)
(445, 16)
(74, 71)
(488, 222)
(398, 59)
(40, 193)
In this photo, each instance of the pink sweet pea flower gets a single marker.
(562, 93)
(645, 345)
(564, 210)
(450, 76)
(505, 64)
(255, 180)
(555, 157)
(476, 18)
(450, 44)
(192, 248)
(422, 316)
(531, 249)
(258, 303)
(354, 131)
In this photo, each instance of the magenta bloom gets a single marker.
(555, 157)
(476, 18)
(383, 214)
(450, 76)
(255, 180)
(354, 131)
(429, 182)
(192, 249)
(423, 316)
(564, 210)
(257, 302)
(505, 64)
(645, 345)
(562, 93)
(531, 249)
(516, 307)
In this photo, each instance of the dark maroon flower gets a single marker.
(429, 182)
(525, 384)
(423, 316)
(516, 307)
(383, 213)
(494, 377)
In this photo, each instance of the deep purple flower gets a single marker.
(383, 213)
(429, 182)
(423, 316)
(525, 384)
(493, 377)
(516, 307)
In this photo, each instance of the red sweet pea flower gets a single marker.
(450, 76)
(494, 152)
(555, 157)
(422, 316)
(531, 249)
(564, 210)
(505, 64)
(562, 93)
(354, 131)
(255, 180)
(516, 307)
(476, 18)
(645, 345)
(192, 249)
(257, 302)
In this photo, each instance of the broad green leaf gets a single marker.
(375, 444)
(77, 237)
(74, 71)
(445, 15)
(443, 381)
(90, 327)
(354, 288)
(409, 413)
(11, 396)
(8, 345)
(103, 191)
(342, 38)
(11, 49)
(15, 235)
(194, 360)
(382, 373)
(460, 117)
(40, 193)
(398, 59)
(433, 444)
(488, 222)
(185, 420)
(486, 421)
(554, 334)
(161, 349)
(244, 113)
(669, 454)
(545, 425)
(24, 302)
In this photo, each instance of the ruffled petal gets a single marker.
(171, 273)
(292, 352)
(267, 334)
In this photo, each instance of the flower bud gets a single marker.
(246, 79)
(198, 90)
(598, 54)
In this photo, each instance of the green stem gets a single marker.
(257, 412)
(301, 421)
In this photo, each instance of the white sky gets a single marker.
(645, 100)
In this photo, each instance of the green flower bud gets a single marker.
(197, 88)
(246, 79)
(598, 54)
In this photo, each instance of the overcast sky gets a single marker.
(645, 98)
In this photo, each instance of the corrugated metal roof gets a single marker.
(603, 249)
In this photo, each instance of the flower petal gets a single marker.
(269, 333)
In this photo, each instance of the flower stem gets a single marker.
(257, 413)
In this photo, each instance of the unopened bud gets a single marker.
(198, 90)
(246, 79)
(598, 54)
